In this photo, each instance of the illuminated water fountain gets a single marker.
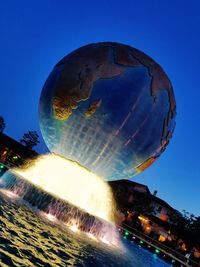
(63, 190)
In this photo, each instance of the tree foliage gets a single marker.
(187, 227)
(30, 139)
(2, 124)
(196, 232)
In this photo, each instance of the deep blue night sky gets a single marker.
(36, 34)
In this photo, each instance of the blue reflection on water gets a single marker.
(140, 257)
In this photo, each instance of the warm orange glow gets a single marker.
(147, 229)
(163, 217)
(143, 219)
(70, 181)
(183, 247)
(141, 167)
(161, 238)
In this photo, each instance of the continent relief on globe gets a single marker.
(109, 107)
(84, 66)
(166, 136)
(92, 108)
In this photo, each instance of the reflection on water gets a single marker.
(28, 240)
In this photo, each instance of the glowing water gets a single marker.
(71, 182)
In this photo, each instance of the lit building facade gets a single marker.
(155, 215)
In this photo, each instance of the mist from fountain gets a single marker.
(63, 191)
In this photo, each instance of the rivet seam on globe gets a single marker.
(109, 107)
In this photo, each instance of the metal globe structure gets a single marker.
(110, 107)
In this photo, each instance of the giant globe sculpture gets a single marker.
(109, 107)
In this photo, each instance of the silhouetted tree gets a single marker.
(187, 227)
(30, 139)
(2, 124)
(196, 233)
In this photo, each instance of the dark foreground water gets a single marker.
(28, 240)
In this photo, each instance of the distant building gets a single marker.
(12, 153)
(162, 209)
(125, 191)
(156, 216)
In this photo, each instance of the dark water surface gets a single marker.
(28, 240)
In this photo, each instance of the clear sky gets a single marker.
(35, 34)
